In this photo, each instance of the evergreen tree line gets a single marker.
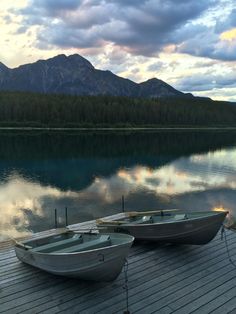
(30, 109)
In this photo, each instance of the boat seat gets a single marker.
(180, 217)
(144, 220)
(102, 241)
(51, 247)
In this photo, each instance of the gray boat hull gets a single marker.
(189, 231)
(103, 264)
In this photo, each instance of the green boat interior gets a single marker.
(164, 217)
(69, 243)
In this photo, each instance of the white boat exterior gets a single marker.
(101, 264)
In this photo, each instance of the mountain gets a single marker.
(3, 67)
(77, 76)
(3, 72)
(157, 88)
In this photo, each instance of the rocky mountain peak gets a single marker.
(3, 67)
(76, 75)
(80, 61)
(73, 61)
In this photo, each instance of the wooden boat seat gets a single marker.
(102, 241)
(51, 247)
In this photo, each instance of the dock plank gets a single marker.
(208, 293)
(102, 305)
(216, 304)
(226, 307)
(143, 293)
(146, 279)
(163, 279)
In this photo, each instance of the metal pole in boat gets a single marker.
(123, 203)
(55, 218)
(66, 216)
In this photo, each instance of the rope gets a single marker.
(224, 236)
(126, 287)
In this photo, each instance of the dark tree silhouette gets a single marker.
(30, 109)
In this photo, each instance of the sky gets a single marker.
(189, 44)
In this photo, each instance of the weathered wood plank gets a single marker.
(22, 279)
(232, 312)
(228, 299)
(21, 304)
(228, 307)
(167, 292)
(182, 296)
(146, 277)
(174, 278)
(12, 296)
(206, 294)
(71, 294)
(144, 292)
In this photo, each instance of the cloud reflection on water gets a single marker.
(202, 181)
(19, 197)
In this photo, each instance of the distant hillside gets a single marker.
(76, 76)
(42, 110)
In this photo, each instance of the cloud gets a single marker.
(224, 94)
(156, 66)
(51, 7)
(134, 39)
(210, 45)
(7, 19)
(66, 37)
(227, 22)
(142, 28)
(206, 81)
(21, 30)
(215, 39)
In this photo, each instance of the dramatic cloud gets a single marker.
(142, 29)
(157, 66)
(207, 81)
(49, 7)
(146, 28)
(214, 46)
(217, 40)
(187, 43)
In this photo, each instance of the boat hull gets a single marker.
(190, 231)
(103, 264)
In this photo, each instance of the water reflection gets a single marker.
(21, 200)
(89, 172)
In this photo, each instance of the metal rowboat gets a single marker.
(171, 226)
(88, 256)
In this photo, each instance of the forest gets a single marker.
(18, 109)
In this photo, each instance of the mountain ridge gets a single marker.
(75, 75)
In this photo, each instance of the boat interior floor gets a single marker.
(155, 219)
(74, 244)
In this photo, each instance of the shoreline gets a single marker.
(114, 128)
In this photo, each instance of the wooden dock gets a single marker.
(161, 279)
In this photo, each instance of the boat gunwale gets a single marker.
(106, 223)
(131, 240)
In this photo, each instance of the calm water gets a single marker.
(88, 173)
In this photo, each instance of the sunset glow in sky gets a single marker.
(187, 43)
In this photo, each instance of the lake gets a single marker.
(88, 172)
